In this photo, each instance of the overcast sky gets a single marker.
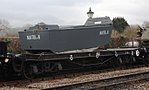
(71, 12)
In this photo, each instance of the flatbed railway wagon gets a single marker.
(44, 63)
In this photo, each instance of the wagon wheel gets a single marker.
(27, 70)
(17, 65)
(56, 67)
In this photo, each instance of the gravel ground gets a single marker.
(138, 85)
(143, 85)
(86, 78)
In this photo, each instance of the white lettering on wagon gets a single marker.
(33, 37)
(104, 32)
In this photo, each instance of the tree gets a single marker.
(119, 24)
(4, 27)
(115, 34)
(131, 32)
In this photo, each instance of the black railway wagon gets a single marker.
(3, 57)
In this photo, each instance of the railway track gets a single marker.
(103, 84)
(81, 82)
